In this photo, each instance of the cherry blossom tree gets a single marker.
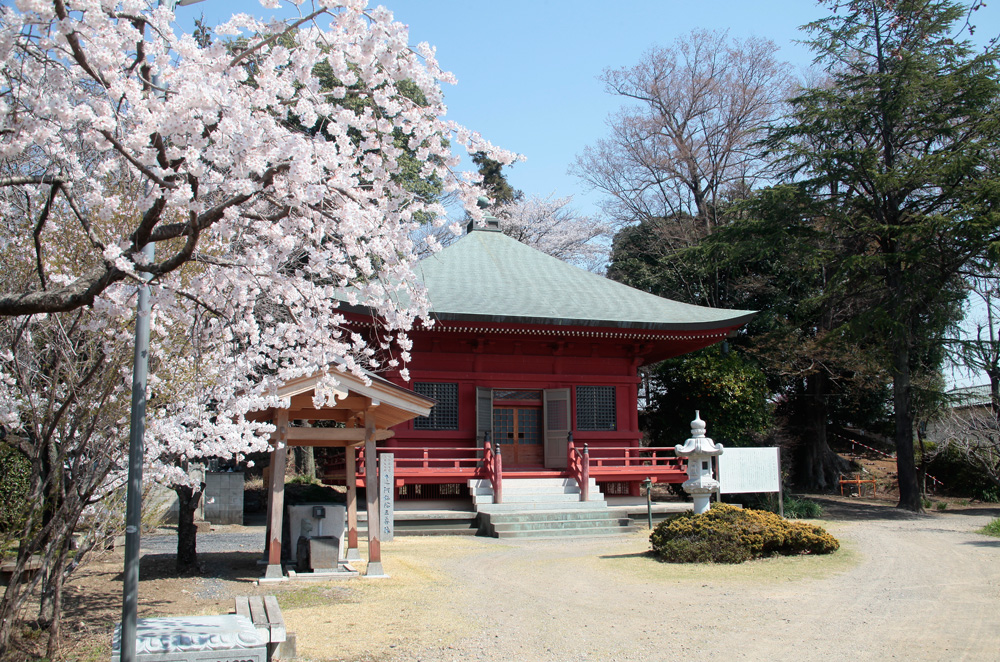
(269, 199)
(552, 226)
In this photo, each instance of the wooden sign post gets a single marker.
(387, 493)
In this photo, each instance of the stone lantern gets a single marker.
(699, 450)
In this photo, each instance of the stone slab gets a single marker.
(228, 638)
(325, 552)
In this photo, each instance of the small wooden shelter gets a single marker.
(367, 408)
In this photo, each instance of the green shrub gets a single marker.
(992, 529)
(794, 507)
(726, 534)
(15, 476)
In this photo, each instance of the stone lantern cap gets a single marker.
(698, 444)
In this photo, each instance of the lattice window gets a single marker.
(444, 415)
(504, 395)
(595, 408)
(616, 488)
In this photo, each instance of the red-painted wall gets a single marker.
(501, 361)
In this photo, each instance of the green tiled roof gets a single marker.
(487, 276)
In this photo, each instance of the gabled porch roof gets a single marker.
(387, 403)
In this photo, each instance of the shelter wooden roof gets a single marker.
(355, 400)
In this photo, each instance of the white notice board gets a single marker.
(743, 470)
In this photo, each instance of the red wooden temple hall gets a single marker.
(534, 359)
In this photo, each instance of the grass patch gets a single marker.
(991, 529)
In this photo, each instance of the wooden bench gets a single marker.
(858, 482)
(33, 565)
(265, 614)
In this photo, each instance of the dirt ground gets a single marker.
(901, 587)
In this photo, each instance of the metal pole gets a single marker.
(133, 498)
(137, 429)
(649, 501)
(781, 501)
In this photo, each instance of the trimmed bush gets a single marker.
(726, 534)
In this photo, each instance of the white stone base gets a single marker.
(229, 638)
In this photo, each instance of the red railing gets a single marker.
(578, 464)
(493, 468)
(636, 457)
(447, 459)
(454, 462)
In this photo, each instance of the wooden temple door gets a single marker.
(517, 427)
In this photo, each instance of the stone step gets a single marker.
(555, 515)
(566, 533)
(528, 506)
(527, 497)
(517, 482)
(427, 529)
(550, 525)
(511, 488)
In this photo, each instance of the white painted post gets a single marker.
(387, 493)
(374, 568)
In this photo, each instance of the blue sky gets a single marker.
(527, 70)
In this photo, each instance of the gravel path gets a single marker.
(230, 539)
(903, 587)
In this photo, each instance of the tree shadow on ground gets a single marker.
(993, 544)
(850, 509)
(842, 509)
(981, 512)
(633, 555)
(233, 566)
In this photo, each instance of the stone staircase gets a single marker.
(543, 508)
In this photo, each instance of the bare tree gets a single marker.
(65, 374)
(549, 224)
(689, 138)
(552, 226)
(977, 348)
(974, 432)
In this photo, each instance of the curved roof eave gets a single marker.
(490, 277)
(729, 322)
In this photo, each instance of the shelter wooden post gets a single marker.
(351, 480)
(276, 494)
(371, 492)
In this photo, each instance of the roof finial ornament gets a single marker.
(490, 222)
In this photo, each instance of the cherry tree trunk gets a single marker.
(187, 531)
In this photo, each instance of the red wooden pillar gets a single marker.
(351, 480)
(371, 492)
(276, 500)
